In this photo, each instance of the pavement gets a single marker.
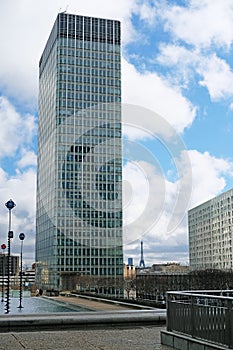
(112, 336)
(136, 338)
(93, 304)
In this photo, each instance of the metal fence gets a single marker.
(206, 315)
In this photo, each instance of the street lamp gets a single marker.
(10, 205)
(21, 237)
(3, 247)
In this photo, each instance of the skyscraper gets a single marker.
(79, 183)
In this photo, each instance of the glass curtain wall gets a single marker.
(79, 184)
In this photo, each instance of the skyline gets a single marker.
(171, 66)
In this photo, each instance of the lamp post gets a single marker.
(21, 237)
(10, 205)
(3, 247)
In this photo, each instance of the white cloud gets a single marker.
(146, 12)
(15, 130)
(210, 20)
(151, 91)
(170, 55)
(209, 70)
(159, 245)
(143, 204)
(205, 26)
(29, 158)
(149, 205)
(217, 77)
(24, 29)
(201, 23)
(134, 198)
(209, 176)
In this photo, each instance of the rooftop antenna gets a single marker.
(142, 262)
(65, 9)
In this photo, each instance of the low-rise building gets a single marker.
(14, 265)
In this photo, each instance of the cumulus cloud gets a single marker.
(211, 20)
(15, 130)
(29, 158)
(210, 71)
(195, 57)
(217, 77)
(151, 91)
(25, 28)
(150, 205)
(146, 11)
(209, 175)
(160, 245)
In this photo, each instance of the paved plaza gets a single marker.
(136, 338)
(99, 336)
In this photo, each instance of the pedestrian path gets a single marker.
(94, 304)
(109, 327)
(137, 338)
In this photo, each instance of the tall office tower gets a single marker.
(211, 233)
(79, 184)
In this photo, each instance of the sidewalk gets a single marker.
(141, 338)
(95, 304)
(85, 332)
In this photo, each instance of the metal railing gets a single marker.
(205, 315)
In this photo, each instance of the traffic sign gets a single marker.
(21, 236)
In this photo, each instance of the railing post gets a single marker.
(229, 332)
(169, 328)
(192, 317)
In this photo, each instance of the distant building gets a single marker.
(169, 267)
(153, 283)
(129, 271)
(29, 278)
(130, 261)
(14, 264)
(129, 280)
(14, 269)
(210, 233)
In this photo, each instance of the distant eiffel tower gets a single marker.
(142, 262)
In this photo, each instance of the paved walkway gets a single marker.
(137, 338)
(93, 304)
(125, 337)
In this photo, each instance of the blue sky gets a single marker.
(177, 63)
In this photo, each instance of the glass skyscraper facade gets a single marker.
(79, 182)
